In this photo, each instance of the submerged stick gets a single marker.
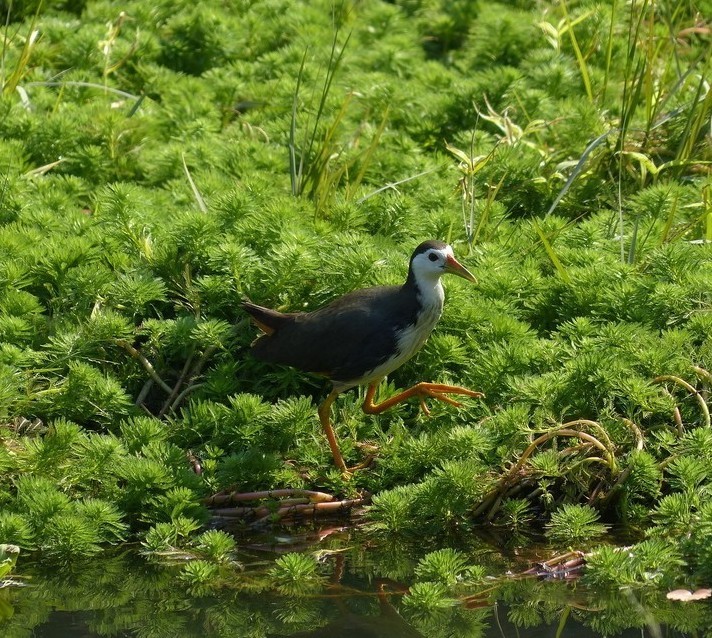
(300, 511)
(239, 497)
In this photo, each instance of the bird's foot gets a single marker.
(348, 472)
(440, 391)
(423, 391)
(370, 450)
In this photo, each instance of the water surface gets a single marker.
(360, 595)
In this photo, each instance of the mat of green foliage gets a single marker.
(160, 161)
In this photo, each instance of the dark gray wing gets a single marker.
(345, 339)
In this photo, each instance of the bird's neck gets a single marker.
(429, 291)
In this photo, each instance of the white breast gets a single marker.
(412, 337)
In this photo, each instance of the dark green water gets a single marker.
(360, 594)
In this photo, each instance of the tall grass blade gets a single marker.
(295, 172)
(707, 199)
(609, 51)
(668, 222)
(368, 154)
(577, 169)
(319, 177)
(334, 62)
(632, 88)
(698, 117)
(88, 85)
(634, 71)
(583, 67)
(484, 217)
(137, 104)
(551, 253)
(394, 185)
(11, 83)
(633, 241)
(196, 193)
(621, 227)
(562, 622)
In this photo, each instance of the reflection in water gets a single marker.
(359, 595)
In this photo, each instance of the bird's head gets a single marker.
(432, 259)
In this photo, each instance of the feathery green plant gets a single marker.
(574, 523)
(295, 574)
(144, 191)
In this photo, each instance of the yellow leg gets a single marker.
(324, 417)
(324, 412)
(421, 390)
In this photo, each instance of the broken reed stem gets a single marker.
(595, 493)
(239, 497)
(239, 512)
(588, 459)
(595, 425)
(282, 505)
(144, 392)
(557, 567)
(299, 511)
(175, 396)
(148, 366)
(173, 392)
(187, 374)
(677, 415)
(639, 444)
(679, 426)
(182, 395)
(495, 507)
(637, 433)
(193, 373)
(703, 374)
(495, 497)
(576, 449)
(562, 431)
(691, 389)
(563, 560)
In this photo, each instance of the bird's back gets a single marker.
(354, 334)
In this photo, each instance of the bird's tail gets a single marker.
(267, 320)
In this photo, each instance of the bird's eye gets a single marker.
(432, 257)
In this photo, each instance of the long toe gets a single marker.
(440, 391)
(362, 465)
(442, 397)
(424, 406)
(370, 451)
(444, 388)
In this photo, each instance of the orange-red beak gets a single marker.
(454, 267)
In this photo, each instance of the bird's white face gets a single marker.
(432, 262)
(435, 262)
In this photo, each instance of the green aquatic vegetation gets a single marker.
(216, 545)
(296, 574)
(121, 593)
(449, 567)
(48, 520)
(574, 524)
(8, 558)
(428, 603)
(158, 164)
(650, 563)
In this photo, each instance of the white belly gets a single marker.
(409, 341)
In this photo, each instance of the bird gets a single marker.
(364, 335)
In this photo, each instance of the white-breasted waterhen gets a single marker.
(361, 337)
